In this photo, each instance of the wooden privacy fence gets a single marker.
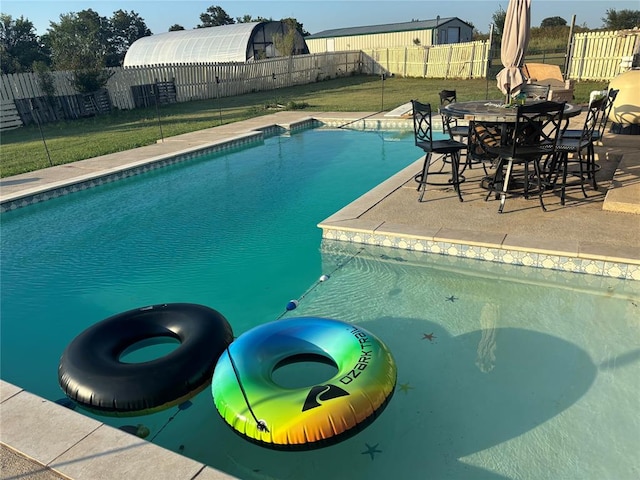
(194, 82)
(602, 55)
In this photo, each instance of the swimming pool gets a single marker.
(515, 375)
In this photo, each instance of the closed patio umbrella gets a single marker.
(515, 38)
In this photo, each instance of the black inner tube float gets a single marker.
(92, 374)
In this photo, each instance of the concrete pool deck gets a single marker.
(42, 440)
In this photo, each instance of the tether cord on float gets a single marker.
(338, 267)
(262, 426)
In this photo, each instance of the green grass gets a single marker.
(23, 150)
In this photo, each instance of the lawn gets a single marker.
(26, 149)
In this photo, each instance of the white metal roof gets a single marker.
(226, 43)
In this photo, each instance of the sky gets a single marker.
(315, 15)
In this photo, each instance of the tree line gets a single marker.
(86, 42)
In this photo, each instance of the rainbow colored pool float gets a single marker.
(261, 411)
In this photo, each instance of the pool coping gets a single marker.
(41, 437)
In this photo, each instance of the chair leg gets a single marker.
(455, 173)
(526, 179)
(547, 170)
(419, 176)
(591, 164)
(583, 177)
(537, 168)
(554, 169)
(422, 182)
(496, 180)
(565, 167)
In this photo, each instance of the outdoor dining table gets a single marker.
(494, 111)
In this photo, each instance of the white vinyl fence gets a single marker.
(603, 55)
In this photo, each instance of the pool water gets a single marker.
(236, 232)
(503, 371)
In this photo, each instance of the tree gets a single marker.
(214, 17)
(20, 47)
(499, 17)
(124, 29)
(285, 43)
(175, 27)
(553, 22)
(80, 42)
(45, 78)
(621, 20)
(292, 22)
(250, 19)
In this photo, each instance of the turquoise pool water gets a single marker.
(503, 371)
(236, 232)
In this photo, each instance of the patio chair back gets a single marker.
(591, 120)
(422, 125)
(535, 92)
(606, 110)
(449, 124)
(447, 97)
(537, 128)
(449, 149)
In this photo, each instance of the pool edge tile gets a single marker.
(609, 253)
(469, 237)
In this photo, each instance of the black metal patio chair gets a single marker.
(449, 149)
(599, 131)
(582, 151)
(450, 124)
(533, 137)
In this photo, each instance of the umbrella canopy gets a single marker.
(515, 38)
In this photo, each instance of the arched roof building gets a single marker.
(239, 42)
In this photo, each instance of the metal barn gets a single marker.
(418, 33)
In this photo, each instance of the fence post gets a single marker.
(567, 57)
(406, 59)
(446, 75)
